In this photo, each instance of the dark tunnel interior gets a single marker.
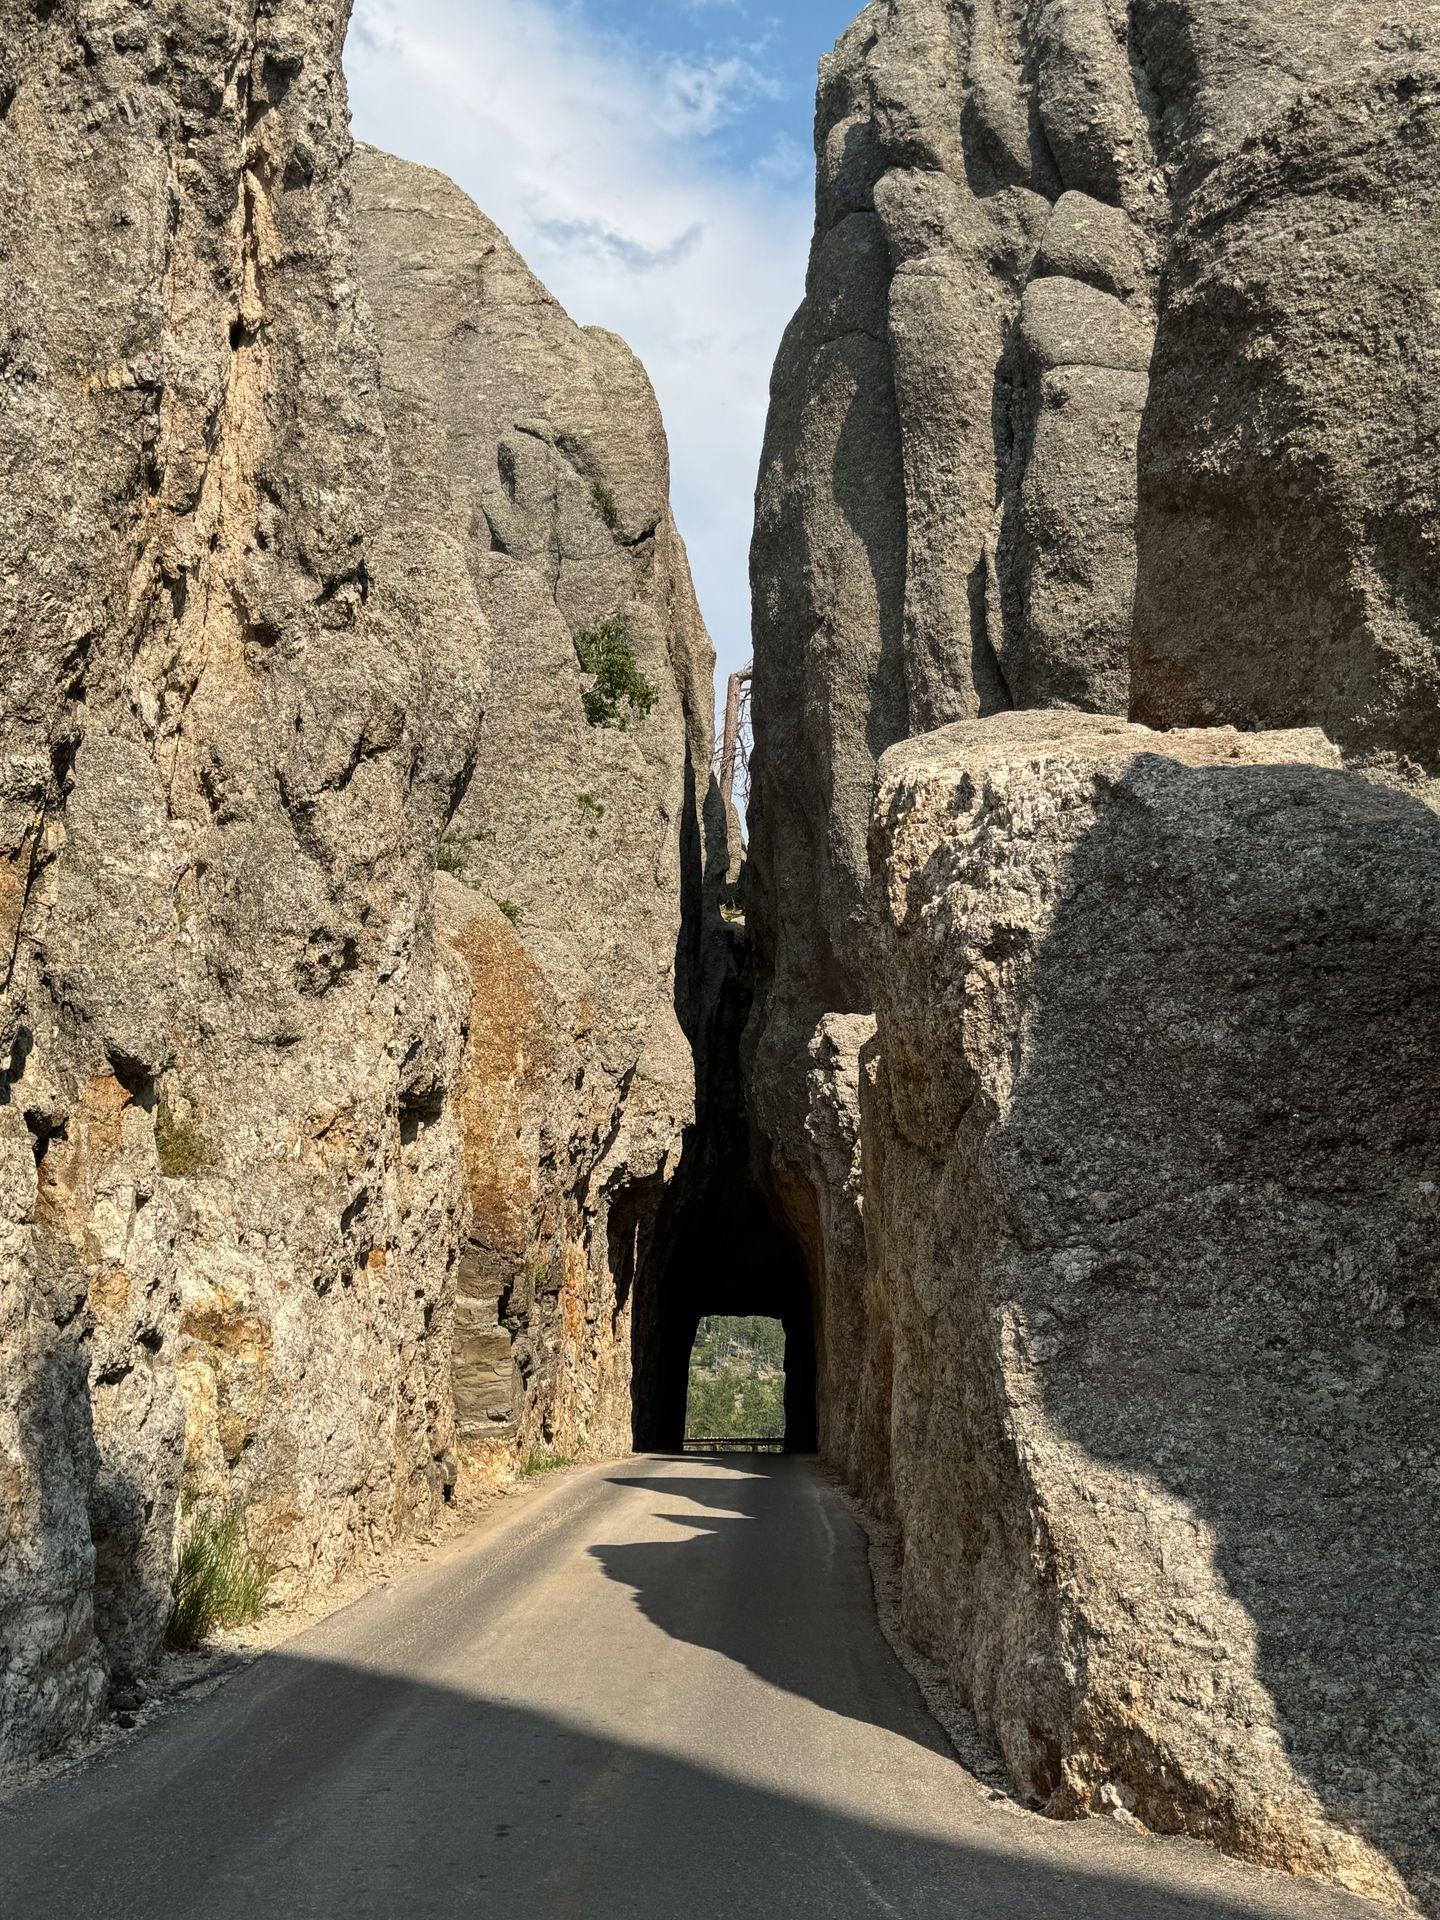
(726, 1259)
(714, 1247)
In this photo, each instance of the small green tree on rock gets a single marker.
(608, 652)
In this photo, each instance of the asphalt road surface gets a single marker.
(655, 1691)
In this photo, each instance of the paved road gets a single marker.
(657, 1691)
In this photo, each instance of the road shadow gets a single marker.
(771, 1578)
(306, 1788)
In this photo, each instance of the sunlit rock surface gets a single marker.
(266, 666)
(575, 897)
(1109, 393)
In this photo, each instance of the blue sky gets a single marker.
(652, 161)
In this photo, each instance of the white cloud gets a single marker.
(701, 95)
(594, 161)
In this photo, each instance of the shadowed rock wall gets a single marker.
(578, 900)
(1288, 546)
(945, 515)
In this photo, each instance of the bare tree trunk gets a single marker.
(730, 752)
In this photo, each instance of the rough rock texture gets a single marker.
(257, 1126)
(1289, 558)
(540, 458)
(226, 768)
(1113, 390)
(945, 518)
(1150, 1179)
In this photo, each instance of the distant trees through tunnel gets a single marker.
(737, 1379)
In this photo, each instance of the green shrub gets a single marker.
(591, 805)
(737, 1379)
(510, 911)
(222, 1578)
(179, 1145)
(608, 652)
(539, 1462)
(604, 503)
(453, 853)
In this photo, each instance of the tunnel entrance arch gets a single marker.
(719, 1260)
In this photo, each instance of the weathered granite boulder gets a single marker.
(1150, 1191)
(575, 901)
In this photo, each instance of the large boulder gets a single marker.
(1150, 1193)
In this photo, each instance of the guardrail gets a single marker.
(729, 1444)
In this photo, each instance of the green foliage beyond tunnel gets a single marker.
(737, 1380)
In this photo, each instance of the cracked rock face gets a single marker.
(539, 458)
(945, 519)
(1149, 1156)
(1288, 544)
(278, 643)
(229, 754)
(1111, 392)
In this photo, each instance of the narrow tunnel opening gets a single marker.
(718, 1255)
(712, 1247)
(735, 1395)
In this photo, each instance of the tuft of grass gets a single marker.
(540, 1462)
(608, 652)
(453, 853)
(179, 1145)
(603, 500)
(510, 911)
(450, 856)
(221, 1579)
(591, 805)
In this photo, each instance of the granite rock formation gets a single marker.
(226, 771)
(1149, 1188)
(577, 899)
(274, 1091)
(1289, 562)
(1110, 393)
(945, 517)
